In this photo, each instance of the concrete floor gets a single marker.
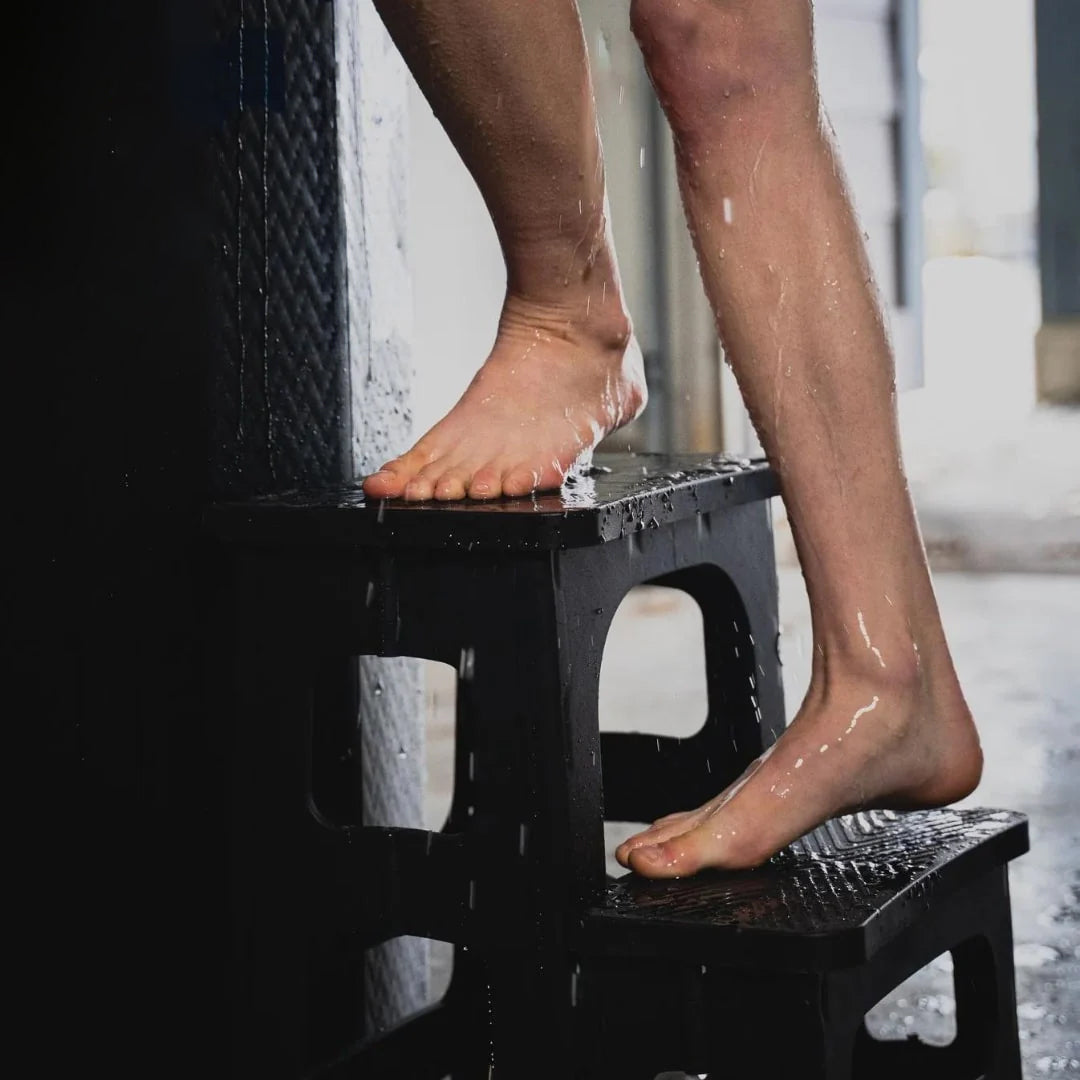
(1006, 503)
(1016, 641)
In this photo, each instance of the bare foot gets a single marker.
(551, 389)
(861, 739)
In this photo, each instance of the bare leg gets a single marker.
(884, 722)
(509, 80)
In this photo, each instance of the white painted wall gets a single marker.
(458, 278)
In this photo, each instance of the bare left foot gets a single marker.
(551, 389)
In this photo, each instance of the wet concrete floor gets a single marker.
(1016, 643)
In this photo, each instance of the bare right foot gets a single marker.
(558, 380)
(867, 735)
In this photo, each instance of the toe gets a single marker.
(519, 481)
(713, 843)
(653, 861)
(680, 856)
(450, 486)
(422, 486)
(389, 482)
(485, 483)
(663, 829)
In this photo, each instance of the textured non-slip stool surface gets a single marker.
(619, 495)
(770, 972)
(829, 900)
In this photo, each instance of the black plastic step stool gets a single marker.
(771, 972)
(518, 595)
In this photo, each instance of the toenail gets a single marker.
(650, 854)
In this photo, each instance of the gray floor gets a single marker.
(1012, 504)
(1016, 640)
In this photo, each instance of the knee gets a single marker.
(709, 58)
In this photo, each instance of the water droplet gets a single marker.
(467, 664)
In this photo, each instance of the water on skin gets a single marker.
(866, 638)
(861, 712)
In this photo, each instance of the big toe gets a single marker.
(711, 844)
(660, 830)
(388, 483)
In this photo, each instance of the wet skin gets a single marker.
(884, 722)
(565, 369)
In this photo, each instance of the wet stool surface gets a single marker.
(618, 495)
(779, 966)
(829, 900)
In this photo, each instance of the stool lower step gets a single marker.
(828, 901)
(771, 972)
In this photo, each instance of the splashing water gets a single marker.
(467, 663)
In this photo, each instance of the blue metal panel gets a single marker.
(1057, 31)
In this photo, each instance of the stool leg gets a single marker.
(640, 1018)
(987, 1032)
(529, 795)
(778, 1024)
(468, 995)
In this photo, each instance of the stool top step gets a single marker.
(830, 900)
(618, 495)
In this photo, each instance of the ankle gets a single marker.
(888, 664)
(600, 323)
(570, 269)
